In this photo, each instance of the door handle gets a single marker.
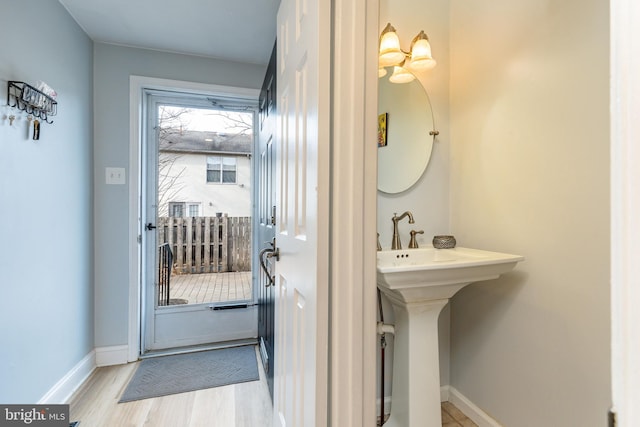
(271, 252)
(149, 227)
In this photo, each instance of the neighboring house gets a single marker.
(204, 174)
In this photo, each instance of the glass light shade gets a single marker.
(382, 72)
(390, 53)
(401, 75)
(421, 58)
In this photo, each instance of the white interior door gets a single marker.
(302, 227)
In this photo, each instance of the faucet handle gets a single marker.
(413, 244)
(379, 245)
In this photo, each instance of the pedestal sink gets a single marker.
(419, 283)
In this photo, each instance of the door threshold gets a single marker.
(200, 347)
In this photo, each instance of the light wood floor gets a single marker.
(239, 405)
(453, 417)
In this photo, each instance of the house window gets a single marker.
(221, 170)
(194, 209)
(176, 209)
(181, 209)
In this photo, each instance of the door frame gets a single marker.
(354, 93)
(625, 211)
(136, 132)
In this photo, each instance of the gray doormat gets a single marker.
(160, 376)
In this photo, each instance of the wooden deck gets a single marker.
(211, 287)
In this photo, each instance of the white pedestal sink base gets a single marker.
(419, 283)
(416, 374)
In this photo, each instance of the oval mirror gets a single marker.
(405, 118)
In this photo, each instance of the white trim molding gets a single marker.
(474, 413)
(444, 393)
(352, 391)
(112, 355)
(62, 391)
(625, 211)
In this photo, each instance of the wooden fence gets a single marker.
(207, 244)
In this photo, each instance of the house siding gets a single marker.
(230, 199)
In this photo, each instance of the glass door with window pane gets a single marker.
(198, 208)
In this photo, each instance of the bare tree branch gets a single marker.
(171, 122)
(169, 182)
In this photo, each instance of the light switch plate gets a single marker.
(115, 176)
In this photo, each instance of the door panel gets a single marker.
(302, 173)
(267, 148)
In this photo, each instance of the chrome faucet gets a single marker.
(395, 243)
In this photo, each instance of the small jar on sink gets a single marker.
(444, 242)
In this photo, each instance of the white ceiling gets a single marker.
(236, 30)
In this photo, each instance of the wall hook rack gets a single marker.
(27, 98)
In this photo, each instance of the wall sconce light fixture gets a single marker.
(418, 58)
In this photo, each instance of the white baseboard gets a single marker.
(467, 407)
(62, 391)
(112, 355)
(444, 393)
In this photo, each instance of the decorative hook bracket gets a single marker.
(27, 98)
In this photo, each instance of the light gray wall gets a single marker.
(46, 226)
(530, 175)
(113, 65)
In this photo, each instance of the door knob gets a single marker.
(271, 252)
(150, 227)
